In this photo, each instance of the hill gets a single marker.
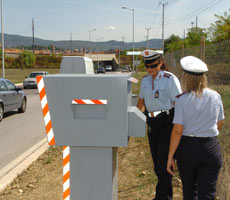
(17, 41)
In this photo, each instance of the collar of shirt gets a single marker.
(159, 75)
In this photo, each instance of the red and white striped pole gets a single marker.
(66, 173)
(45, 110)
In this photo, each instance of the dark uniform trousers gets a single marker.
(159, 133)
(199, 161)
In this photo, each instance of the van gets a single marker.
(76, 65)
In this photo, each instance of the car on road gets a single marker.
(108, 68)
(11, 98)
(100, 70)
(30, 81)
(125, 69)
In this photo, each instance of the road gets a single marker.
(20, 131)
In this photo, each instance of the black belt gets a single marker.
(199, 137)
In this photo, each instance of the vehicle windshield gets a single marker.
(33, 75)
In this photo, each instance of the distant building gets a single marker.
(12, 52)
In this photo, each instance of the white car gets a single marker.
(108, 68)
(30, 81)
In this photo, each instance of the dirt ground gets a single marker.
(43, 179)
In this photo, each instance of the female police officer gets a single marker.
(198, 116)
(157, 93)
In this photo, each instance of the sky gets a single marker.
(63, 19)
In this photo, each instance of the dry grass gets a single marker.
(223, 186)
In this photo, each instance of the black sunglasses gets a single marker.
(152, 65)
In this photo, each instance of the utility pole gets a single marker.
(163, 16)
(123, 39)
(147, 37)
(3, 59)
(70, 42)
(145, 42)
(196, 22)
(33, 34)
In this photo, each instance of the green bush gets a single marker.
(25, 60)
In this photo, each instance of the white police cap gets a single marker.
(151, 55)
(193, 65)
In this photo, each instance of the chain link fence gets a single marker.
(217, 57)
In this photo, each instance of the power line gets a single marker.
(158, 28)
(194, 13)
(155, 16)
(208, 4)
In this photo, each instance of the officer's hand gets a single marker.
(171, 166)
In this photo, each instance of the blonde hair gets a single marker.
(193, 83)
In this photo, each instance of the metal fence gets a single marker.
(217, 57)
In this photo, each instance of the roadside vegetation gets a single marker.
(218, 31)
(27, 60)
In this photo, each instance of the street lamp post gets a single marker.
(98, 52)
(90, 39)
(3, 59)
(132, 9)
(119, 55)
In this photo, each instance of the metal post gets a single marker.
(97, 56)
(98, 52)
(163, 21)
(119, 57)
(33, 34)
(163, 26)
(70, 42)
(133, 29)
(123, 38)
(133, 39)
(3, 59)
(147, 37)
(89, 43)
(90, 39)
(196, 23)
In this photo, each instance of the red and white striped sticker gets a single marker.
(89, 101)
(45, 110)
(66, 173)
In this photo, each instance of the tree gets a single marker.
(173, 43)
(25, 60)
(220, 29)
(194, 35)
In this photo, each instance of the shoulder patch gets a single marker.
(178, 96)
(167, 75)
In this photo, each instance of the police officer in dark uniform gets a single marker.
(198, 118)
(158, 91)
